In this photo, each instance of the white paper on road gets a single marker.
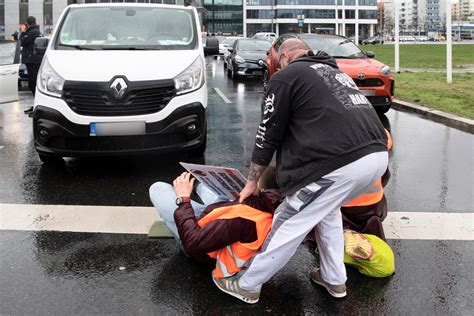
(226, 183)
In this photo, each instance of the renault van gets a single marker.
(121, 79)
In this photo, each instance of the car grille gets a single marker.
(116, 143)
(96, 99)
(369, 82)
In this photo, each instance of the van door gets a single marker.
(9, 67)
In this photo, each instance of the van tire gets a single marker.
(50, 160)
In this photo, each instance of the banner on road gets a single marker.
(226, 183)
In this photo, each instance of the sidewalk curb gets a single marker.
(451, 120)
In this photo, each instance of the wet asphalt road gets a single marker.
(61, 272)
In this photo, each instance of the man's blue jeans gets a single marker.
(163, 197)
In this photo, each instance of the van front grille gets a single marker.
(97, 99)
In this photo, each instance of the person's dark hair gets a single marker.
(31, 20)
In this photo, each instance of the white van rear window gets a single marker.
(127, 28)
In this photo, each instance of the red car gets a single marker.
(371, 76)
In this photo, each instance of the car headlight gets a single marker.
(49, 81)
(239, 59)
(190, 79)
(385, 71)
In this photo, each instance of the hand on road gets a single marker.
(249, 189)
(183, 185)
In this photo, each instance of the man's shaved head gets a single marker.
(292, 48)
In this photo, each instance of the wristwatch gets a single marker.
(182, 199)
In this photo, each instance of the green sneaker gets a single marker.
(231, 286)
(337, 291)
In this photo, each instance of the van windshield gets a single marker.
(128, 27)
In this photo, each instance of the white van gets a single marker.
(121, 79)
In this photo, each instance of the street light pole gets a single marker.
(449, 44)
(397, 37)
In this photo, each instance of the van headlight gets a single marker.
(49, 81)
(239, 59)
(191, 79)
(385, 71)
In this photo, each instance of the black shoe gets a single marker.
(28, 111)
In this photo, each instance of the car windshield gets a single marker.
(335, 46)
(253, 45)
(128, 27)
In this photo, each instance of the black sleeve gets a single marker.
(214, 236)
(27, 38)
(276, 109)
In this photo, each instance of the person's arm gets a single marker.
(272, 128)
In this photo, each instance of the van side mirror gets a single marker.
(370, 54)
(212, 46)
(40, 45)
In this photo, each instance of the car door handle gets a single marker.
(8, 72)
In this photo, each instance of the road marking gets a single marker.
(222, 95)
(138, 220)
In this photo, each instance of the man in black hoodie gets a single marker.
(330, 148)
(32, 61)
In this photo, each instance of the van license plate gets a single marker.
(368, 93)
(117, 128)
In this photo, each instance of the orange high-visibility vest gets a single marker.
(231, 259)
(375, 194)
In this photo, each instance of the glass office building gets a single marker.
(223, 17)
(344, 17)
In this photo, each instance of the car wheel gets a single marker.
(50, 160)
(383, 108)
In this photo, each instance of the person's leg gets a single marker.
(163, 197)
(305, 209)
(32, 74)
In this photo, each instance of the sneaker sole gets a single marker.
(333, 294)
(240, 297)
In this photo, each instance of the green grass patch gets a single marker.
(431, 90)
(423, 55)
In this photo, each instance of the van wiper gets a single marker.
(79, 47)
(126, 48)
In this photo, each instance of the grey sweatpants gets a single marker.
(316, 205)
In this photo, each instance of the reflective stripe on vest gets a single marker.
(374, 195)
(231, 259)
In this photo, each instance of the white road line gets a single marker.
(222, 95)
(138, 220)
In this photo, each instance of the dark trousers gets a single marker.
(32, 74)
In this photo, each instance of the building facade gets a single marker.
(344, 17)
(223, 17)
(462, 10)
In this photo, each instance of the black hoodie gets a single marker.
(317, 120)
(27, 39)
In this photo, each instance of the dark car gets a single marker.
(246, 56)
(373, 40)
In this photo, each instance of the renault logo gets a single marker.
(118, 87)
(361, 76)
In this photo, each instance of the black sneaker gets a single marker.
(28, 111)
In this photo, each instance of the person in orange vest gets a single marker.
(219, 234)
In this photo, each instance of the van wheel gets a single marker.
(50, 160)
